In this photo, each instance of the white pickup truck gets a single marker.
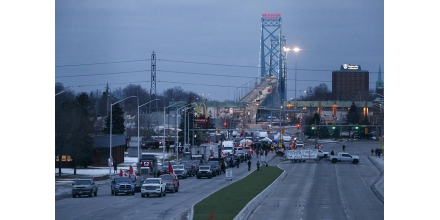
(153, 186)
(344, 157)
(322, 154)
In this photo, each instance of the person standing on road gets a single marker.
(258, 165)
(343, 147)
(332, 153)
(238, 162)
(372, 151)
(115, 166)
(249, 165)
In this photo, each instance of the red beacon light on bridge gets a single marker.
(297, 126)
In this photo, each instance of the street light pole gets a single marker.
(177, 129)
(296, 49)
(139, 106)
(163, 144)
(111, 131)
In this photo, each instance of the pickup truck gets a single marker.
(180, 171)
(153, 186)
(344, 157)
(122, 185)
(322, 154)
(84, 187)
(171, 181)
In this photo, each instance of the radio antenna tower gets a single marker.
(153, 104)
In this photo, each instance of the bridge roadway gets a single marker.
(266, 84)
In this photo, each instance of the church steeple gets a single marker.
(379, 86)
(379, 82)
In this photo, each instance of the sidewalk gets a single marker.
(378, 186)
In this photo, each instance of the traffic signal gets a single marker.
(282, 130)
(268, 130)
(218, 130)
(242, 131)
(357, 126)
(297, 126)
(333, 126)
(224, 124)
(313, 126)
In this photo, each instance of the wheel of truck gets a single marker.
(96, 193)
(355, 161)
(116, 193)
(112, 192)
(160, 195)
(177, 189)
(73, 195)
(142, 195)
(132, 193)
(174, 189)
(334, 160)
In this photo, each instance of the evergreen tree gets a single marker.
(118, 126)
(353, 114)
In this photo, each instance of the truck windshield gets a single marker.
(152, 181)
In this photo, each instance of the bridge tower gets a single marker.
(272, 55)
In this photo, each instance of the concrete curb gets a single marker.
(250, 207)
(374, 187)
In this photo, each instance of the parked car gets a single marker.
(205, 171)
(299, 144)
(172, 182)
(84, 187)
(180, 171)
(215, 166)
(122, 185)
(190, 169)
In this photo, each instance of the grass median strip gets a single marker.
(230, 200)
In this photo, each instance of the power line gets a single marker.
(101, 74)
(191, 62)
(111, 62)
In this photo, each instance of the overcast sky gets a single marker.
(190, 36)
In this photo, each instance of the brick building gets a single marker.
(350, 83)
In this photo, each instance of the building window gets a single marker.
(64, 158)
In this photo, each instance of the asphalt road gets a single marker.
(310, 190)
(172, 206)
(323, 190)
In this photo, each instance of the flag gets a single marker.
(131, 171)
(121, 173)
(170, 167)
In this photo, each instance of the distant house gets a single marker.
(102, 149)
(101, 152)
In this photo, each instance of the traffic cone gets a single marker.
(211, 216)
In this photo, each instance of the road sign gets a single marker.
(228, 173)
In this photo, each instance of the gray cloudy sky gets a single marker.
(188, 35)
